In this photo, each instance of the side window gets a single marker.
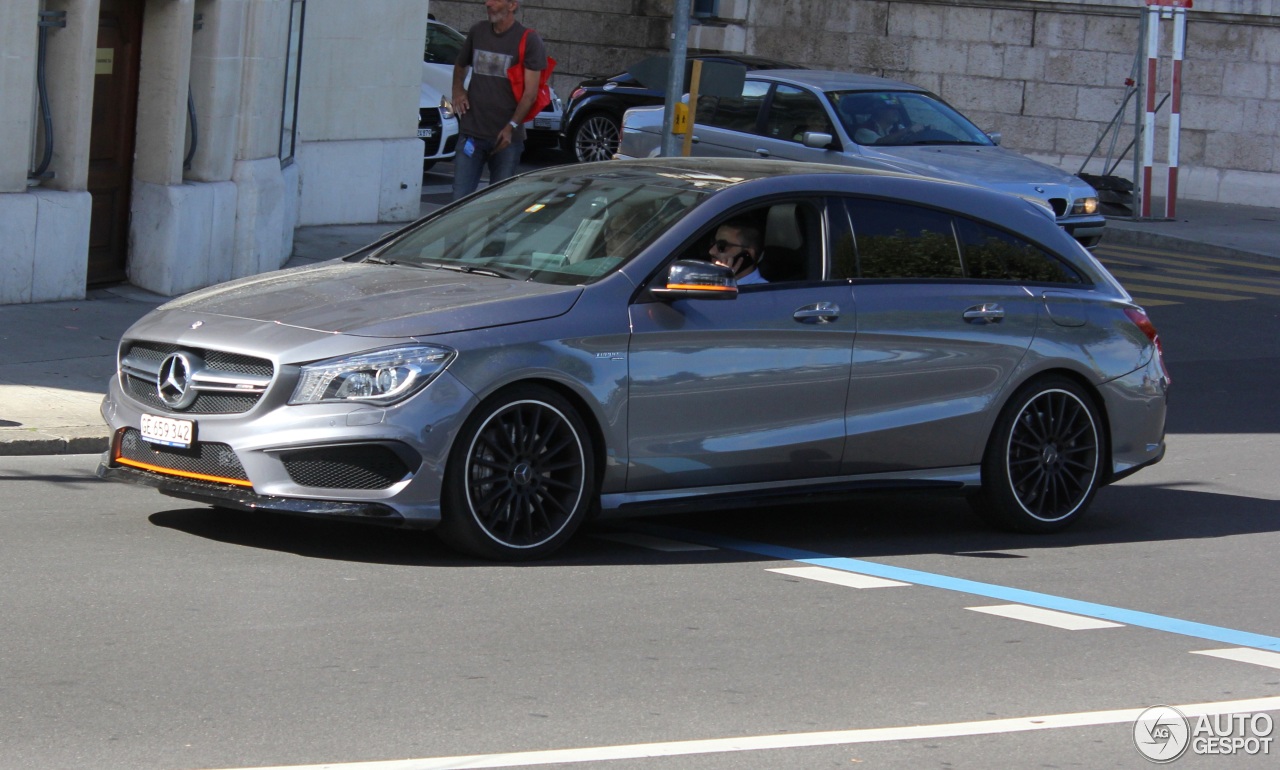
(736, 113)
(784, 238)
(793, 112)
(993, 254)
(898, 240)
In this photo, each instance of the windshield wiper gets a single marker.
(483, 271)
(379, 261)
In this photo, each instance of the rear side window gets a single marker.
(736, 113)
(997, 255)
(794, 112)
(887, 240)
(896, 240)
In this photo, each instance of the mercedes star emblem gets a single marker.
(173, 382)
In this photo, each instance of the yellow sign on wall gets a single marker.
(104, 61)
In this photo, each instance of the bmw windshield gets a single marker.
(896, 118)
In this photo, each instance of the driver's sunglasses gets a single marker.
(722, 245)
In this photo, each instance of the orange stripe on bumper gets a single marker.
(185, 474)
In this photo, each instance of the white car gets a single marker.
(828, 117)
(437, 125)
(441, 51)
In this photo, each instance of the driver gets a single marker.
(737, 247)
(885, 127)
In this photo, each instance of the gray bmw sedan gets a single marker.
(562, 346)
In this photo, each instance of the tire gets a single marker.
(596, 137)
(1044, 461)
(520, 478)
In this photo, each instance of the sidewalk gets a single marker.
(56, 357)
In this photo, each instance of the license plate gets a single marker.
(167, 431)
(542, 122)
(426, 133)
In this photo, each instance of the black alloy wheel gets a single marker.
(596, 137)
(521, 477)
(1043, 463)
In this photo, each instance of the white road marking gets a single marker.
(654, 543)
(1046, 617)
(789, 740)
(1244, 655)
(839, 577)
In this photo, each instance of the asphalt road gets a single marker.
(142, 632)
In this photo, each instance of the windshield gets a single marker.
(443, 44)
(897, 118)
(550, 228)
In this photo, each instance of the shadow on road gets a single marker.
(862, 527)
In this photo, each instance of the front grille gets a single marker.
(354, 466)
(140, 362)
(206, 403)
(1059, 206)
(204, 460)
(429, 117)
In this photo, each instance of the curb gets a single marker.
(40, 443)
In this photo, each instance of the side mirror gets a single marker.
(995, 137)
(817, 139)
(695, 279)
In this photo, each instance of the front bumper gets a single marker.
(267, 458)
(224, 496)
(1086, 229)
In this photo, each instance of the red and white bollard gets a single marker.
(1155, 10)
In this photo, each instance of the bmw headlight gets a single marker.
(381, 377)
(1085, 206)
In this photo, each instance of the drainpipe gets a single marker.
(48, 19)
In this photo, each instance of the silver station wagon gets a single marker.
(561, 346)
(821, 116)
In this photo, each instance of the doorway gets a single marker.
(111, 139)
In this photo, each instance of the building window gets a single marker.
(293, 60)
(706, 9)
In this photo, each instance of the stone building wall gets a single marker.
(1048, 75)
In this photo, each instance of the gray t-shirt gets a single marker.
(489, 56)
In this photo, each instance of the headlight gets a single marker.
(381, 377)
(1085, 206)
(446, 108)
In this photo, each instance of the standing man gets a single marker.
(490, 122)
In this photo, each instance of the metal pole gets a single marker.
(675, 77)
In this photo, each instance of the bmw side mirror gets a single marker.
(817, 139)
(696, 279)
(995, 137)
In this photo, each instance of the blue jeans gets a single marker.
(467, 166)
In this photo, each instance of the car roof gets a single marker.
(832, 80)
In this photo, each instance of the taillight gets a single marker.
(577, 92)
(1143, 322)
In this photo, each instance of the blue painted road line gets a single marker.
(1003, 593)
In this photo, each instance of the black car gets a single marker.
(592, 124)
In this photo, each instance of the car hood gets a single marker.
(370, 300)
(988, 166)
(434, 86)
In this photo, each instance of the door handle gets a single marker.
(762, 152)
(822, 312)
(987, 312)
(693, 139)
